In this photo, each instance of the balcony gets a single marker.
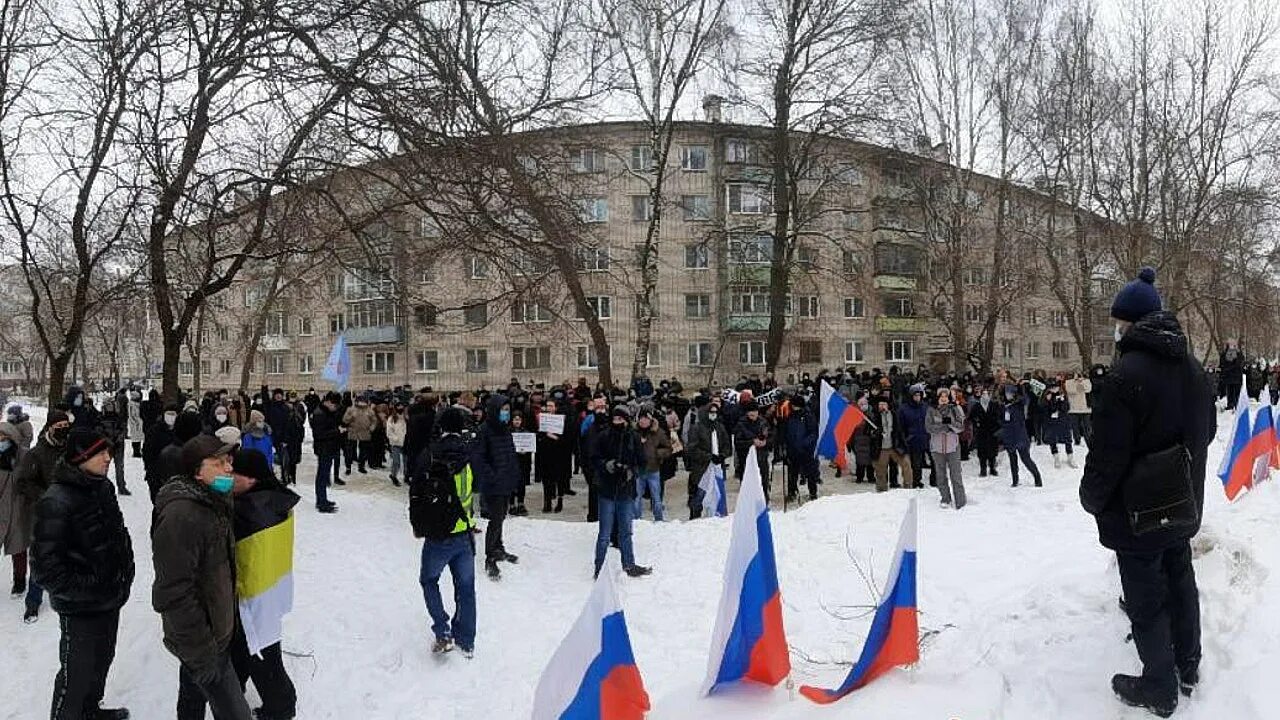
(742, 274)
(901, 325)
(743, 322)
(378, 334)
(274, 343)
(886, 281)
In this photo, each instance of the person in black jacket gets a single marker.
(82, 409)
(752, 429)
(327, 441)
(617, 455)
(496, 472)
(984, 413)
(420, 420)
(553, 460)
(159, 436)
(1156, 397)
(290, 439)
(113, 426)
(83, 557)
(801, 440)
(1231, 373)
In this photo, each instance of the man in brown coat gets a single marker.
(657, 448)
(361, 421)
(193, 549)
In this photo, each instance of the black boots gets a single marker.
(638, 571)
(1142, 693)
(491, 569)
(1188, 678)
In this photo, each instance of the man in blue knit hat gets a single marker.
(1144, 485)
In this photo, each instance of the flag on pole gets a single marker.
(837, 420)
(593, 674)
(1237, 464)
(894, 638)
(1264, 433)
(714, 502)
(748, 642)
(337, 369)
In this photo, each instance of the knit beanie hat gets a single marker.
(452, 421)
(229, 435)
(1138, 298)
(84, 443)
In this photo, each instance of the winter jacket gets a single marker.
(86, 415)
(326, 437)
(801, 440)
(618, 453)
(743, 440)
(360, 421)
(159, 437)
(1156, 395)
(25, 433)
(1078, 395)
(151, 409)
(555, 455)
(1013, 422)
(986, 423)
(82, 554)
(295, 431)
(911, 418)
(493, 454)
(259, 438)
(397, 428)
(133, 411)
(657, 447)
(698, 452)
(276, 413)
(36, 469)
(420, 420)
(16, 511)
(944, 424)
(193, 550)
(1057, 418)
(886, 423)
(113, 426)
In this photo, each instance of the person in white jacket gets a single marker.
(136, 431)
(944, 423)
(396, 430)
(1078, 389)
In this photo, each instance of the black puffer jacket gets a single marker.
(617, 454)
(326, 437)
(82, 552)
(420, 422)
(1156, 395)
(494, 466)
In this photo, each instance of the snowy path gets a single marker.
(1018, 601)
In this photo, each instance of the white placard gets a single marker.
(553, 424)
(526, 442)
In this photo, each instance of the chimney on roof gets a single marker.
(712, 106)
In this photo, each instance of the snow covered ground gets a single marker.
(1018, 609)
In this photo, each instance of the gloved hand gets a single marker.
(717, 460)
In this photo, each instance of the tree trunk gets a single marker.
(171, 349)
(780, 269)
(57, 377)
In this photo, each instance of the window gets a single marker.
(366, 285)
(477, 360)
(897, 260)
(641, 208)
(975, 277)
(206, 367)
(737, 150)
(252, 296)
(1006, 316)
(531, 358)
(476, 315)
(697, 208)
(696, 257)
(379, 363)
(641, 158)
(1033, 316)
(1061, 350)
(654, 357)
(224, 367)
(527, 263)
(1103, 349)
(899, 307)
(751, 352)
(529, 312)
(427, 274)
(334, 280)
(587, 160)
(305, 365)
(854, 309)
(304, 326)
(1032, 350)
(809, 306)
(1007, 349)
(850, 262)
(587, 357)
(224, 334)
(478, 267)
(899, 350)
(693, 158)
(1058, 318)
(593, 259)
(277, 324)
(807, 258)
(275, 364)
(850, 175)
(428, 228)
(855, 351)
(751, 249)
(852, 220)
(975, 313)
(593, 210)
(204, 337)
(700, 354)
(749, 300)
(747, 199)
(697, 307)
(601, 305)
(337, 323)
(426, 315)
(186, 367)
(810, 351)
(372, 313)
(428, 361)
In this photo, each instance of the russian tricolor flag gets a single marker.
(714, 501)
(894, 638)
(748, 642)
(1264, 429)
(837, 419)
(593, 675)
(1243, 449)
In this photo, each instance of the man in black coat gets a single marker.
(984, 413)
(1156, 398)
(1231, 372)
(420, 420)
(496, 471)
(327, 436)
(617, 455)
(83, 557)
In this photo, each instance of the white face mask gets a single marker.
(220, 416)
(1119, 332)
(169, 418)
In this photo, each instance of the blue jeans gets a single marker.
(615, 512)
(396, 455)
(653, 481)
(328, 464)
(457, 553)
(35, 594)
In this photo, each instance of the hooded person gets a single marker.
(21, 422)
(193, 552)
(81, 407)
(33, 475)
(83, 556)
(1143, 483)
(257, 435)
(15, 513)
(133, 415)
(497, 473)
(911, 419)
(159, 436)
(168, 463)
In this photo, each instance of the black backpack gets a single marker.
(434, 506)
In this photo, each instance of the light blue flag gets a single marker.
(337, 369)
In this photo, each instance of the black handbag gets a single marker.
(1159, 493)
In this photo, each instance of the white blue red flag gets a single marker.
(1242, 450)
(593, 674)
(714, 502)
(894, 638)
(1264, 432)
(749, 642)
(337, 369)
(837, 420)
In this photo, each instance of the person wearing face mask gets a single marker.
(193, 551)
(168, 463)
(159, 436)
(1078, 389)
(496, 473)
(708, 443)
(81, 406)
(1013, 432)
(34, 474)
(595, 423)
(220, 417)
(984, 414)
(1057, 423)
(83, 556)
(617, 456)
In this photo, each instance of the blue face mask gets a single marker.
(222, 484)
(5, 445)
(504, 415)
(78, 401)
